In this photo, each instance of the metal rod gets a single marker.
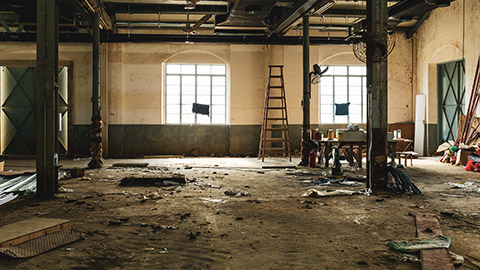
(306, 73)
(306, 143)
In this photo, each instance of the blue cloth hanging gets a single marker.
(201, 109)
(341, 108)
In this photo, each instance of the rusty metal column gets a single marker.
(45, 93)
(377, 76)
(306, 142)
(96, 148)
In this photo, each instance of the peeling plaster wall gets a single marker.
(440, 39)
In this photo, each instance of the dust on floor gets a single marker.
(268, 225)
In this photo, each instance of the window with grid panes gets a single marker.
(195, 83)
(343, 84)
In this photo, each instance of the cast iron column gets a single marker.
(96, 126)
(377, 100)
(306, 142)
(45, 94)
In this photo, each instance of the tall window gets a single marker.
(339, 85)
(189, 83)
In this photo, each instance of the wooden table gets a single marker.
(327, 145)
(399, 140)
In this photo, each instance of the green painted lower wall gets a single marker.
(139, 140)
(431, 139)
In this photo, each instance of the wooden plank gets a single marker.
(432, 259)
(22, 231)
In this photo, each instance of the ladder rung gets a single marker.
(276, 108)
(276, 76)
(275, 139)
(277, 86)
(275, 65)
(275, 129)
(275, 118)
(275, 97)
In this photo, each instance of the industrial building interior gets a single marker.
(239, 134)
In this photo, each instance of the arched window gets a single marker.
(343, 85)
(195, 89)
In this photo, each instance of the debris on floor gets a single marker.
(456, 259)
(314, 193)
(399, 182)
(467, 186)
(75, 172)
(236, 193)
(4, 198)
(171, 180)
(131, 165)
(438, 241)
(334, 182)
(34, 236)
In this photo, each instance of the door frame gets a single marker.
(440, 96)
(61, 63)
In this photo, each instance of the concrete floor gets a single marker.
(272, 228)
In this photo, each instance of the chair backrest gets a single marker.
(408, 132)
(408, 129)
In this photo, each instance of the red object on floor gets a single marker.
(453, 160)
(313, 159)
(470, 166)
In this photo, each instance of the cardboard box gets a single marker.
(462, 157)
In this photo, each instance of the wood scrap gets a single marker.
(472, 108)
(22, 231)
(438, 259)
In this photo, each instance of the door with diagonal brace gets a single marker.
(451, 98)
(18, 110)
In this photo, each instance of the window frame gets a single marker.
(196, 74)
(363, 87)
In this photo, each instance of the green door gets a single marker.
(451, 98)
(18, 110)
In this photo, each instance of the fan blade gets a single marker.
(381, 48)
(203, 20)
(325, 70)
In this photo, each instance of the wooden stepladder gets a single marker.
(275, 118)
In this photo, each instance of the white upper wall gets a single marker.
(135, 78)
(441, 39)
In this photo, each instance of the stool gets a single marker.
(406, 155)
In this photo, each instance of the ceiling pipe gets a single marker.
(152, 38)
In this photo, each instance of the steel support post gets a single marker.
(377, 84)
(306, 141)
(45, 96)
(96, 148)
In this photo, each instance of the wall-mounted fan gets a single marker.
(316, 74)
(380, 43)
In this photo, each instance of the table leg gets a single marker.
(327, 154)
(359, 159)
(394, 151)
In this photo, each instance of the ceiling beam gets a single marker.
(80, 9)
(339, 12)
(147, 38)
(292, 15)
(417, 24)
(165, 8)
